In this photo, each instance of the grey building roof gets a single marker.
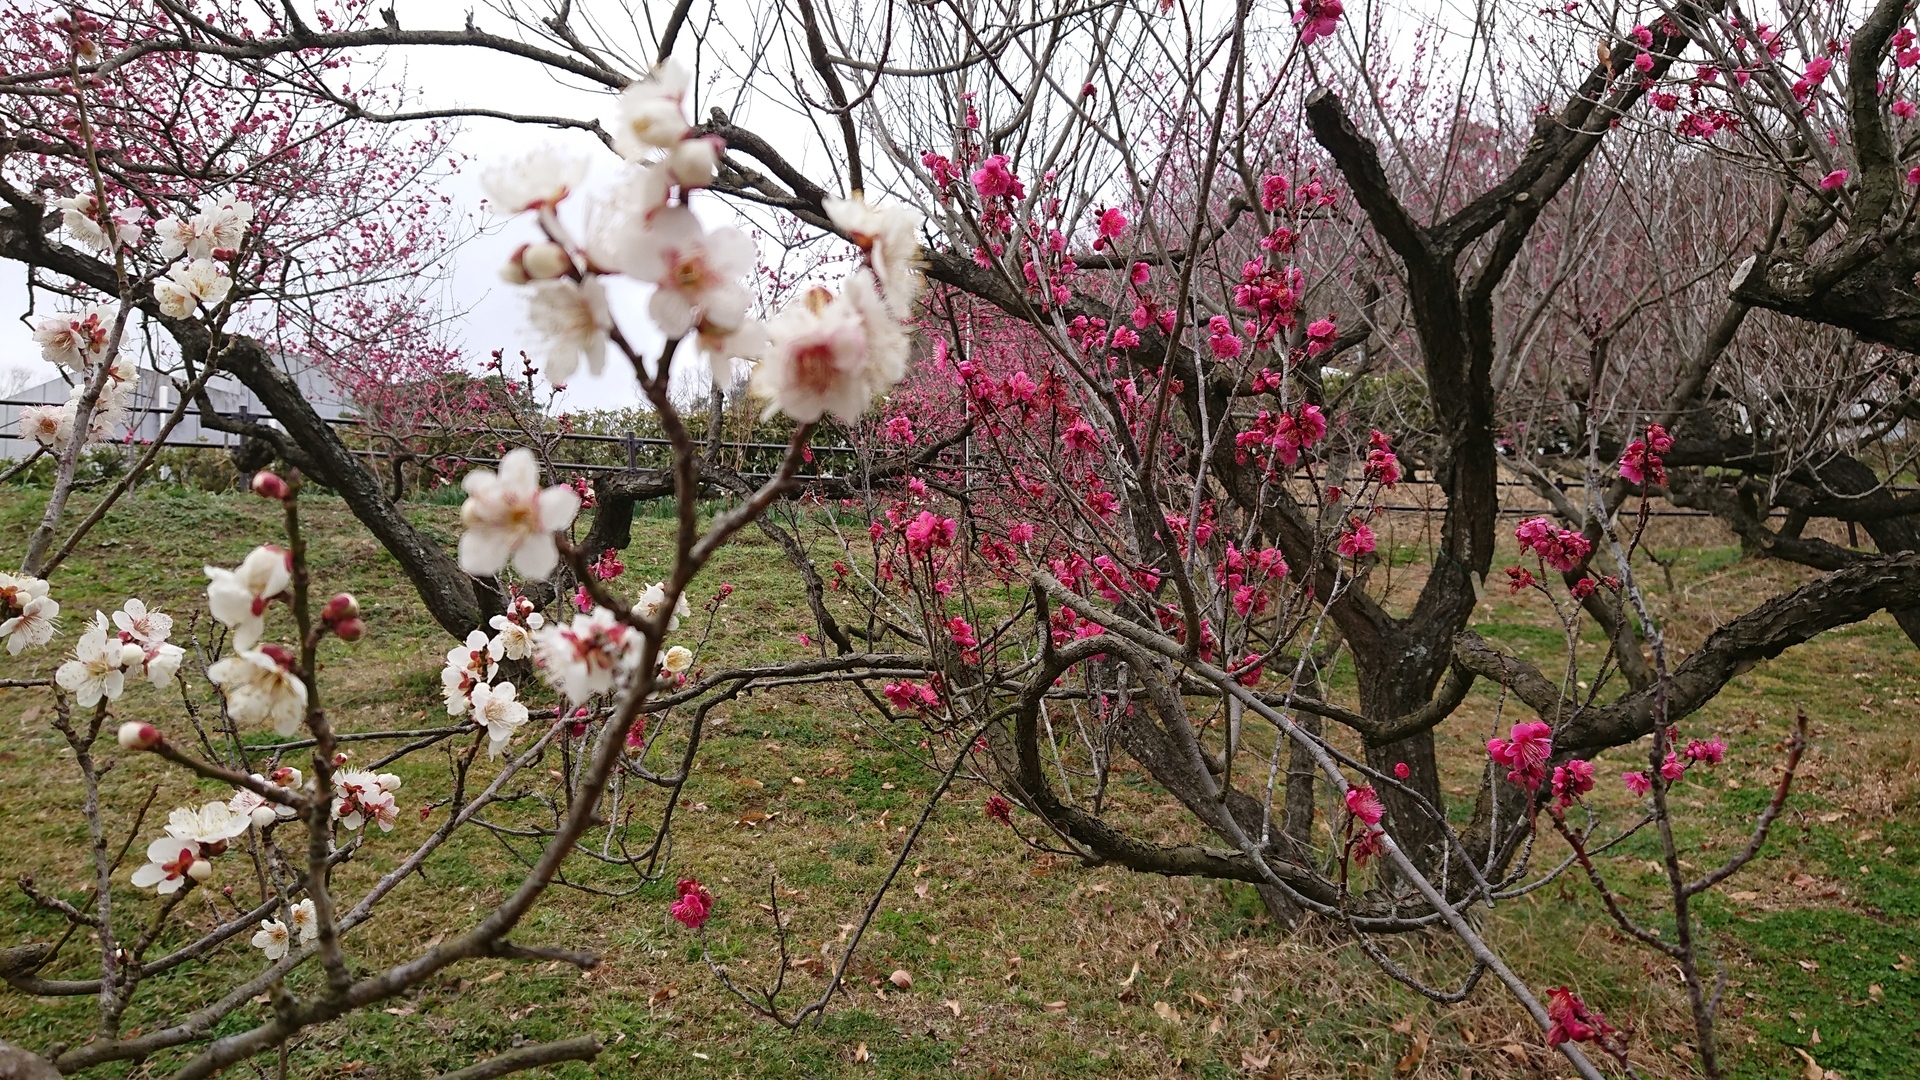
(155, 398)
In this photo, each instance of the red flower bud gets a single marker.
(135, 735)
(350, 629)
(343, 606)
(267, 485)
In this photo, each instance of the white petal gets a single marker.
(558, 505)
(536, 557)
(483, 552)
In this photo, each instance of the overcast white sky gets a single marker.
(449, 77)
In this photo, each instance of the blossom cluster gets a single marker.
(829, 352)
(133, 644)
(1676, 764)
(28, 616)
(80, 342)
(1562, 549)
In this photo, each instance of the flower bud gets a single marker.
(339, 758)
(544, 261)
(262, 816)
(268, 485)
(350, 629)
(389, 781)
(342, 606)
(132, 656)
(135, 735)
(512, 272)
(201, 870)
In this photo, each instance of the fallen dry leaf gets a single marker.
(493, 977)
(1055, 1006)
(1132, 975)
(1217, 1025)
(664, 994)
(920, 890)
(860, 1055)
(1402, 1026)
(1167, 1012)
(954, 1006)
(901, 979)
(1416, 1053)
(1255, 1063)
(1813, 1070)
(1809, 965)
(1743, 897)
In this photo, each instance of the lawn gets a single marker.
(1022, 964)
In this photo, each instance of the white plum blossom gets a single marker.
(210, 826)
(33, 627)
(257, 808)
(260, 686)
(749, 342)
(572, 317)
(515, 639)
(162, 661)
(649, 116)
(273, 938)
(539, 177)
(76, 216)
(238, 598)
(128, 225)
(306, 922)
(890, 237)
(364, 797)
(187, 283)
(695, 273)
(49, 425)
(219, 226)
(137, 623)
(508, 515)
(582, 659)
(655, 598)
(94, 672)
(17, 589)
(31, 616)
(75, 339)
(495, 707)
(468, 665)
(170, 862)
(816, 360)
(79, 215)
(678, 659)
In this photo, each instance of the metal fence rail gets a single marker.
(634, 443)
